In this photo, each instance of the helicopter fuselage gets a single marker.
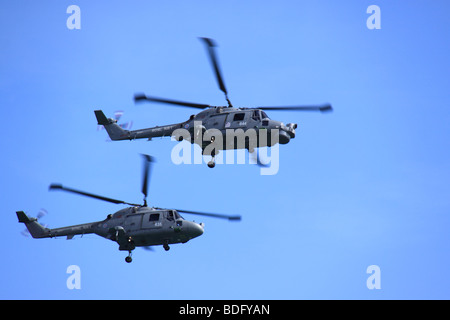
(130, 227)
(238, 128)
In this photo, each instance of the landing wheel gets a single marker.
(166, 247)
(128, 258)
(212, 163)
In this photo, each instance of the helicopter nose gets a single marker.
(199, 229)
(284, 137)
(287, 133)
(196, 229)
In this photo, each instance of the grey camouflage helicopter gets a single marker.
(251, 127)
(135, 226)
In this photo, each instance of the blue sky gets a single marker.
(364, 185)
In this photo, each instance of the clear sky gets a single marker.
(365, 185)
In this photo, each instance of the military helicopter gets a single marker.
(135, 226)
(221, 118)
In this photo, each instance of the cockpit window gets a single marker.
(256, 115)
(264, 115)
(169, 215)
(154, 217)
(177, 215)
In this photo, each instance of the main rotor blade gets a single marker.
(143, 97)
(214, 215)
(147, 161)
(56, 186)
(323, 108)
(210, 44)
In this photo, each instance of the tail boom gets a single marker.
(115, 132)
(38, 231)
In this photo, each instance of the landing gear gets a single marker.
(128, 259)
(166, 246)
(214, 152)
(212, 163)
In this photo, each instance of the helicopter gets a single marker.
(251, 127)
(131, 227)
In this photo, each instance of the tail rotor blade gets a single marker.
(126, 125)
(26, 233)
(118, 114)
(41, 213)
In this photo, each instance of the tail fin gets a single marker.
(35, 228)
(115, 132)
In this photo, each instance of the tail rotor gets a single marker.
(42, 213)
(117, 115)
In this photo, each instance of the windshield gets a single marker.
(264, 115)
(177, 215)
(256, 116)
